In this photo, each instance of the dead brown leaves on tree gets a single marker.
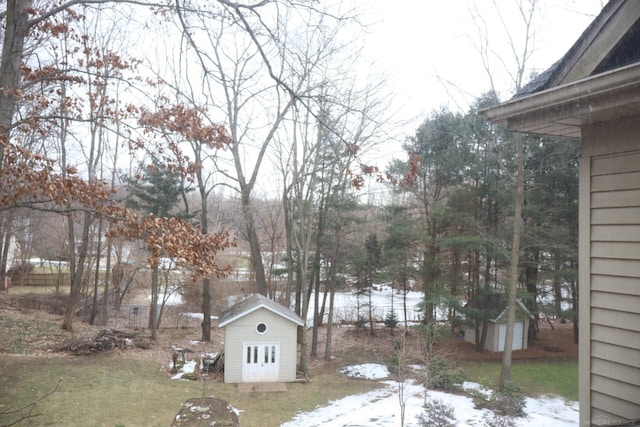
(187, 122)
(29, 180)
(177, 238)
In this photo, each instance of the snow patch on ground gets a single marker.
(188, 367)
(381, 408)
(369, 371)
(198, 316)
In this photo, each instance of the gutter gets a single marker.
(577, 93)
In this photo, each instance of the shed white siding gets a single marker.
(610, 271)
(496, 334)
(243, 330)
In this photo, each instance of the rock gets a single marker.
(206, 412)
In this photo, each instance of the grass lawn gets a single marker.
(534, 378)
(112, 390)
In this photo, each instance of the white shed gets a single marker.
(497, 325)
(260, 342)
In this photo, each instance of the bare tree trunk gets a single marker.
(254, 244)
(107, 278)
(327, 345)
(505, 373)
(574, 300)
(153, 308)
(206, 310)
(204, 226)
(5, 243)
(77, 266)
(286, 204)
(316, 312)
(372, 331)
(17, 20)
(96, 278)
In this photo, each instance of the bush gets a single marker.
(492, 419)
(433, 334)
(509, 401)
(397, 357)
(391, 320)
(393, 364)
(479, 397)
(444, 374)
(437, 414)
(361, 323)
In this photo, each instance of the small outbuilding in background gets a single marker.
(260, 343)
(494, 309)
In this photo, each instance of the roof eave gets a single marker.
(225, 322)
(578, 98)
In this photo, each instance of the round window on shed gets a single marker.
(261, 328)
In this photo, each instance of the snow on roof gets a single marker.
(253, 303)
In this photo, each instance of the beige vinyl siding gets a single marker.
(614, 295)
(243, 330)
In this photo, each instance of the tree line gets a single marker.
(126, 145)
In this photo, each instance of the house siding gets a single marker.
(610, 272)
(243, 330)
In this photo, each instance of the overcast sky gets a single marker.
(421, 44)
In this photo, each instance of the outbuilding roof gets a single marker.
(253, 303)
(497, 305)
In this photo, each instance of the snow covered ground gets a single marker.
(383, 300)
(382, 408)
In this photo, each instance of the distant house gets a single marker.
(593, 93)
(495, 306)
(260, 343)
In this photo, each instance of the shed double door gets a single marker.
(518, 336)
(260, 362)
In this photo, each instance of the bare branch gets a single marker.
(30, 406)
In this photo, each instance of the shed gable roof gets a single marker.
(253, 303)
(497, 304)
(598, 79)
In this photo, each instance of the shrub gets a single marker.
(509, 401)
(394, 363)
(391, 320)
(479, 397)
(445, 374)
(493, 419)
(361, 323)
(433, 334)
(437, 414)
(397, 358)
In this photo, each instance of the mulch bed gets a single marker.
(557, 344)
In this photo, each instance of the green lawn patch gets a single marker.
(113, 390)
(533, 377)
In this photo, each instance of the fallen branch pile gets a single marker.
(106, 340)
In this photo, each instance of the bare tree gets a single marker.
(521, 50)
(254, 62)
